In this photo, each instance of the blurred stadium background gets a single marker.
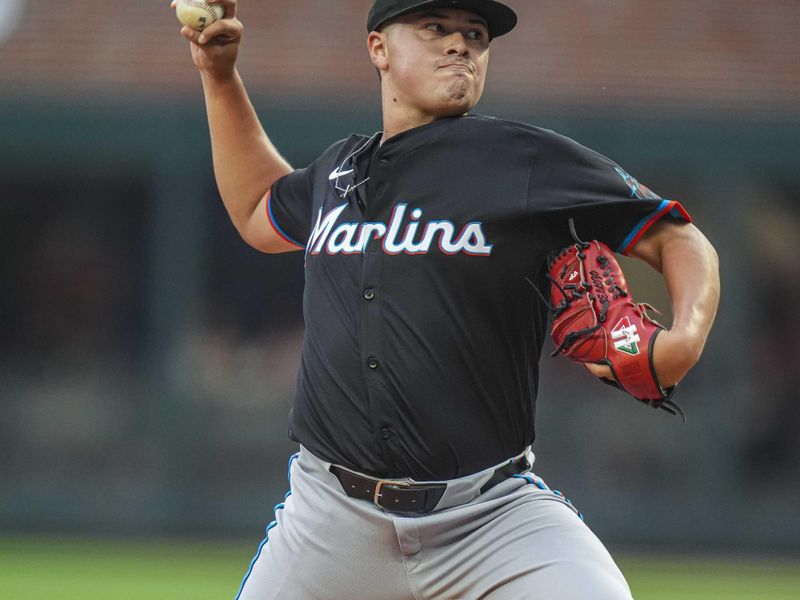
(148, 357)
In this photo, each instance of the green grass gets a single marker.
(68, 569)
(74, 569)
(693, 578)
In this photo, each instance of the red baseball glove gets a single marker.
(595, 320)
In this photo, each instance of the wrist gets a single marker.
(219, 79)
(674, 354)
(688, 343)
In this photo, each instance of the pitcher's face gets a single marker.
(436, 60)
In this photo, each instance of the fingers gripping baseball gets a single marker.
(219, 33)
(215, 47)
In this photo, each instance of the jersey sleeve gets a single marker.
(289, 205)
(607, 204)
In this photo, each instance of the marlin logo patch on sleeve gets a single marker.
(626, 337)
(637, 190)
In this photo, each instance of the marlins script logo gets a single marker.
(404, 233)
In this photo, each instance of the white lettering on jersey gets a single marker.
(390, 242)
(322, 229)
(370, 231)
(400, 235)
(344, 240)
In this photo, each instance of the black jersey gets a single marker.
(422, 338)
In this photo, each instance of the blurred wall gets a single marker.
(148, 357)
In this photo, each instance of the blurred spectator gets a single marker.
(73, 271)
(771, 443)
(220, 364)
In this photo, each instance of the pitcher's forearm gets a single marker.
(690, 267)
(691, 270)
(246, 164)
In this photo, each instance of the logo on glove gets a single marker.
(626, 337)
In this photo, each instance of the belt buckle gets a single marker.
(380, 484)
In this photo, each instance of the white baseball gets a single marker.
(198, 14)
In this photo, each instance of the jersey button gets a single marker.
(386, 433)
(373, 363)
(369, 294)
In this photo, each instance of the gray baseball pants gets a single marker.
(520, 539)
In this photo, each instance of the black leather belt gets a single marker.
(401, 496)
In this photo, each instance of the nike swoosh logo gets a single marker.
(337, 173)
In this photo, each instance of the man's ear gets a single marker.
(378, 50)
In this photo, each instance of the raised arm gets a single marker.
(246, 164)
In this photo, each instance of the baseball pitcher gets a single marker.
(439, 254)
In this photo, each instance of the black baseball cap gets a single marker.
(500, 18)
